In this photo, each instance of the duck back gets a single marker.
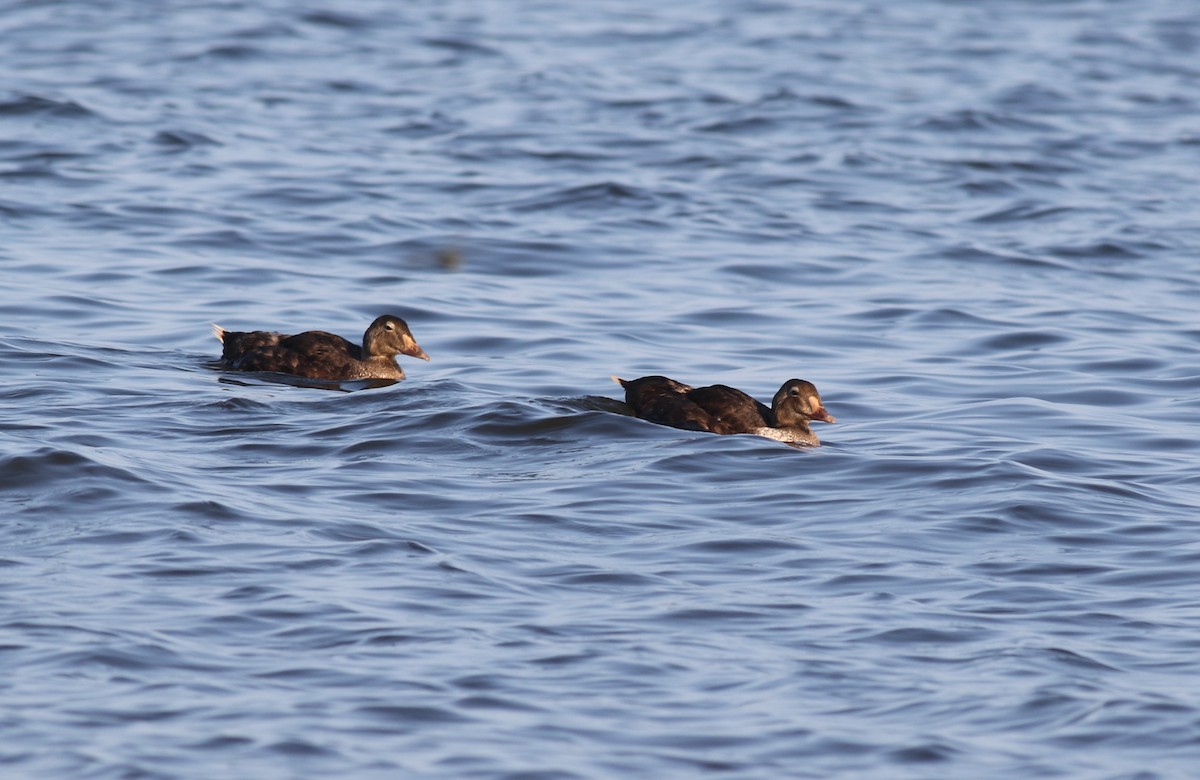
(314, 354)
(237, 344)
(662, 400)
(731, 410)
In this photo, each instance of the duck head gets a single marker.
(796, 403)
(389, 335)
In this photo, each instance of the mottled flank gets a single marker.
(726, 410)
(316, 354)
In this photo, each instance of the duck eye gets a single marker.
(794, 392)
(389, 326)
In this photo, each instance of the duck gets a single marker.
(726, 410)
(316, 354)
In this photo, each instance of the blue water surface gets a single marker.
(972, 225)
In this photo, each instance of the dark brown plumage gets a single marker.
(319, 355)
(725, 410)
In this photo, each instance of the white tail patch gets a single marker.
(618, 380)
(219, 332)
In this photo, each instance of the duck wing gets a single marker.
(731, 410)
(320, 343)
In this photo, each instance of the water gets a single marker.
(973, 226)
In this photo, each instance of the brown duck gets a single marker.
(723, 409)
(319, 355)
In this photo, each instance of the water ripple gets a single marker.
(969, 225)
